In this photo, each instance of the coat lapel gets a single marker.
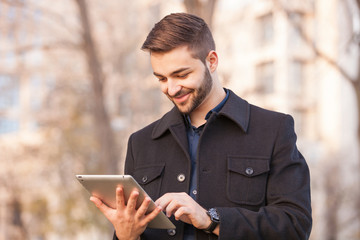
(174, 122)
(235, 108)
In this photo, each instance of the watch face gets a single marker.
(214, 215)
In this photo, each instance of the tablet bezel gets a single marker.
(104, 188)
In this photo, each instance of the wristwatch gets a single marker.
(215, 220)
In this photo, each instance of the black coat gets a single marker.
(249, 168)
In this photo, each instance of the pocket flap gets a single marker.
(147, 174)
(249, 167)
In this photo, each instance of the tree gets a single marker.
(335, 194)
(203, 9)
(104, 133)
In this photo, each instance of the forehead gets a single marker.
(178, 58)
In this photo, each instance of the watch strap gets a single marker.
(211, 227)
(214, 220)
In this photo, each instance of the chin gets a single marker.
(184, 109)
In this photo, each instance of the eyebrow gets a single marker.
(174, 72)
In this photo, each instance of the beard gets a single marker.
(198, 95)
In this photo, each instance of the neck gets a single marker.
(216, 95)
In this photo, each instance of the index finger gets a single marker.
(132, 201)
(120, 198)
(101, 206)
(164, 200)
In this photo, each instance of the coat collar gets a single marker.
(235, 108)
(238, 110)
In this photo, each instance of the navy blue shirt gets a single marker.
(193, 135)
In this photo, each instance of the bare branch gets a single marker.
(51, 18)
(310, 42)
(63, 44)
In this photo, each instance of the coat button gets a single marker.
(171, 232)
(249, 171)
(144, 179)
(181, 177)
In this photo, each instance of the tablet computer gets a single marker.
(104, 188)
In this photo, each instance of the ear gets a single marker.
(212, 61)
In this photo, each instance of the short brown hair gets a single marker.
(181, 29)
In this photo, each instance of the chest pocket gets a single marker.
(247, 180)
(149, 178)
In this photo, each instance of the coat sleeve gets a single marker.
(287, 212)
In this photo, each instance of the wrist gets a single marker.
(127, 238)
(214, 220)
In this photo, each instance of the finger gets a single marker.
(120, 198)
(144, 207)
(164, 200)
(153, 214)
(100, 205)
(184, 214)
(131, 204)
(179, 213)
(172, 207)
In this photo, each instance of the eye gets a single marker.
(162, 79)
(183, 75)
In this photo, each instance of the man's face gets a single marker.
(183, 79)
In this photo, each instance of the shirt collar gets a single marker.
(219, 106)
(215, 109)
(235, 108)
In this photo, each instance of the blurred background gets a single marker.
(74, 85)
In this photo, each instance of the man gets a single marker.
(218, 166)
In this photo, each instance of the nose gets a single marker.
(173, 87)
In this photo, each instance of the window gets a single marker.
(8, 125)
(299, 118)
(296, 27)
(11, 14)
(10, 59)
(266, 29)
(296, 77)
(265, 77)
(36, 93)
(9, 92)
(9, 99)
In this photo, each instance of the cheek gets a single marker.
(196, 83)
(163, 88)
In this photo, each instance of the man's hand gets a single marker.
(129, 222)
(184, 208)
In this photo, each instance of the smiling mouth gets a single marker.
(181, 99)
